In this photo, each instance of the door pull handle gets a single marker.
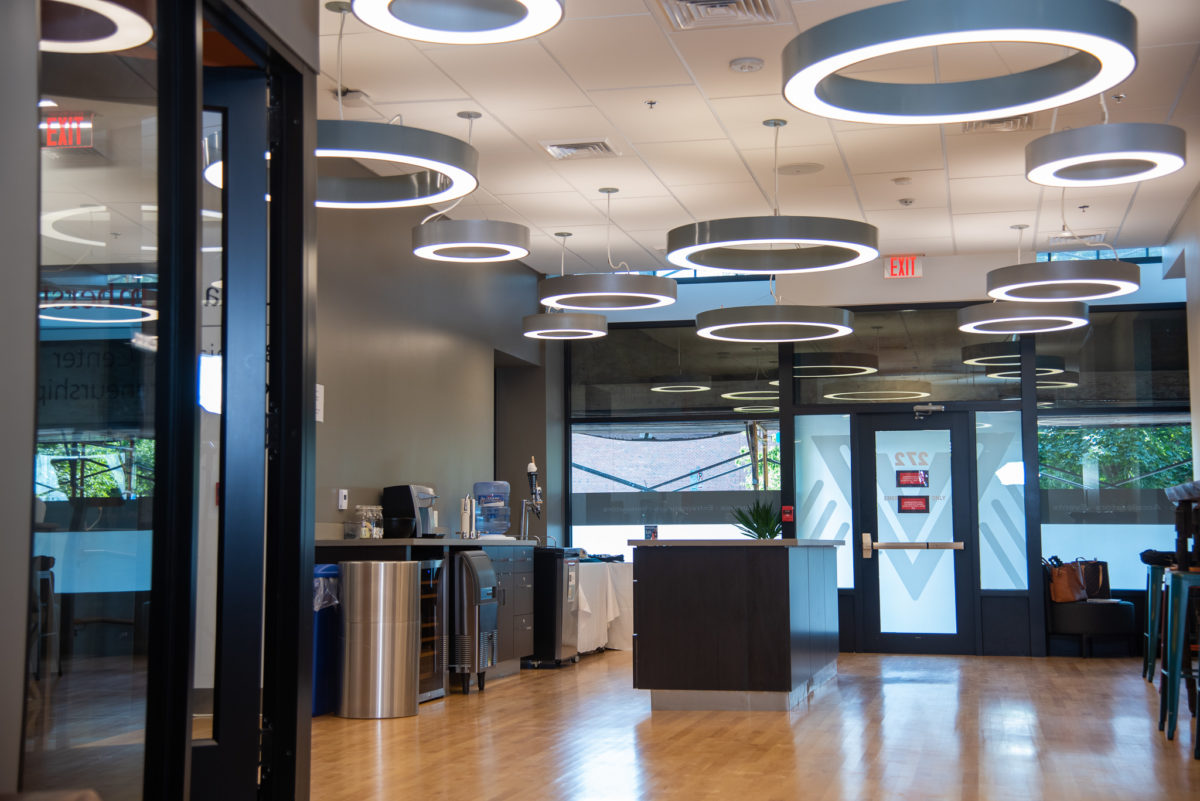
(868, 546)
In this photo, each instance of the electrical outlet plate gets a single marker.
(343, 499)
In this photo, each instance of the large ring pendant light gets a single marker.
(1013, 317)
(834, 365)
(682, 384)
(893, 390)
(1106, 155)
(607, 291)
(461, 21)
(809, 244)
(93, 26)
(1103, 33)
(1042, 366)
(992, 354)
(775, 323)
(1049, 281)
(445, 166)
(470, 240)
(565, 325)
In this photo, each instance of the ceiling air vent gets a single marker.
(1083, 240)
(688, 15)
(580, 149)
(1021, 123)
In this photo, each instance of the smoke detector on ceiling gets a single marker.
(580, 149)
(687, 15)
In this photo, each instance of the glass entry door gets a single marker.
(915, 543)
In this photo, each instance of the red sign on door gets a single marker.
(912, 478)
(913, 504)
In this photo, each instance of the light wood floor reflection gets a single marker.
(891, 727)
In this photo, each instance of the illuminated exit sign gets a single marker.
(68, 130)
(902, 266)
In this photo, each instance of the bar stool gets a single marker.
(1179, 586)
(1154, 591)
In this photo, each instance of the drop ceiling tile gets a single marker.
(892, 149)
(679, 113)
(643, 57)
(993, 194)
(655, 243)
(387, 68)
(896, 245)
(442, 116)
(969, 63)
(644, 213)
(907, 60)
(743, 118)
(981, 155)
(329, 22)
(1161, 22)
(879, 191)
(628, 174)
(517, 170)
(554, 209)
(809, 13)
(707, 54)
(545, 254)
(581, 9)
(1022, 56)
(982, 233)
(516, 76)
(718, 201)
(1106, 207)
(590, 243)
(833, 172)
(911, 223)
(489, 211)
(576, 123)
(686, 163)
(823, 201)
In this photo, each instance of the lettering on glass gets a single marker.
(910, 458)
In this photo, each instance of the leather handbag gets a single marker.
(1066, 581)
(1095, 578)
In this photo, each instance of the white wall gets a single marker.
(1184, 245)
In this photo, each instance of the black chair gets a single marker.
(1088, 620)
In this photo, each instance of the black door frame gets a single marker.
(966, 562)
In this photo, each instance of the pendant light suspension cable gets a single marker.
(609, 191)
(341, 32)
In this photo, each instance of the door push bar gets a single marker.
(868, 546)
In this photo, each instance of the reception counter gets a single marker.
(734, 624)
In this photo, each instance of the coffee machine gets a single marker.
(406, 511)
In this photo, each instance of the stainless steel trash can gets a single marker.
(380, 639)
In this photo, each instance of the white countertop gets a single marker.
(454, 542)
(742, 543)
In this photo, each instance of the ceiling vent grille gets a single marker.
(1073, 243)
(688, 15)
(1005, 125)
(580, 149)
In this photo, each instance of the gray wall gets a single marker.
(1182, 255)
(19, 161)
(295, 22)
(406, 352)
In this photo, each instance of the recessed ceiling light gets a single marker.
(800, 168)
(1106, 155)
(461, 21)
(446, 165)
(1102, 32)
(122, 28)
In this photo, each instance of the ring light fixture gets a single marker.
(1022, 317)
(1068, 379)
(1042, 366)
(607, 291)
(564, 325)
(753, 395)
(1051, 281)
(461, 21)
(138, 314)
(1106, 155)
(879, 391)
(470, 240)
(115, 26)
(756, 409)
(834, 365)
(993, 354)
(1102, 33)
(775, 323)
(445, 166)
(681, 385)
(801, 244)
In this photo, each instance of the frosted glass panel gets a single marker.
(998, 453)
(915, 504)
(824, 509)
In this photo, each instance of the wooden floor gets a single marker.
(890, 727)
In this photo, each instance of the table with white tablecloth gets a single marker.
(605, 606)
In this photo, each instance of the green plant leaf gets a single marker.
(760, 521)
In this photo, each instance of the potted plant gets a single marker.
(760, 521)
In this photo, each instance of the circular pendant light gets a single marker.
(1042, 366)
(564, 325)
(682, 384)
(445, 166)
(94, 26)
(753, 395)
(1022, 317)
(805, 244)
(879, 391)
(461, 21)
(1102, 33)
(620, 290)
(1067, 379)
(1049, 281)
(470, 240)
(104, 313)
(756, 409)
(775, 323)
(834, 365)
(607, 291)
(993, 354)
(1105, 155)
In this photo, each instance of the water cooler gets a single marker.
(476, 617)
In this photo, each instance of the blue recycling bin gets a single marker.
(326, 628)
